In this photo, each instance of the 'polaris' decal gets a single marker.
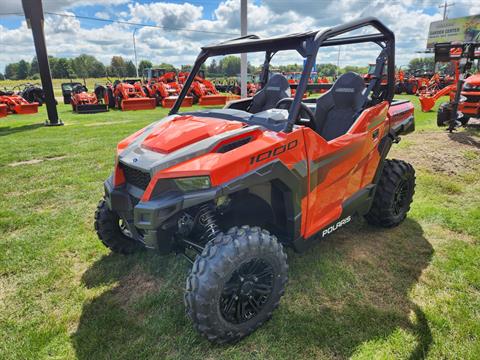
(336, 226)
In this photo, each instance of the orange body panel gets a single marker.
(348, 163)
(352, 168)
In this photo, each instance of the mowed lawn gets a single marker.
(411, 292)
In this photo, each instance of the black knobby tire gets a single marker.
(249, 257)
(107, 226)
(394, 194)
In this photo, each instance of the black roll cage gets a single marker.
(307, 45)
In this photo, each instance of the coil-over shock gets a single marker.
(203, 227)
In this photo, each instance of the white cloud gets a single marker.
(67, 36)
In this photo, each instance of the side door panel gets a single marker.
(339, 168)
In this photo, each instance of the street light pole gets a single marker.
(135, 51)
(243, 57)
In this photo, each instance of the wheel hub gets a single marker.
(247, 291)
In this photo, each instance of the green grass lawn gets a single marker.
(408, 292)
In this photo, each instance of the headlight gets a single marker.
(467, 86)
(193, 183)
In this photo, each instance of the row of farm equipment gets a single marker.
(158, 88)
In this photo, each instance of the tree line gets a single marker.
(87, 66)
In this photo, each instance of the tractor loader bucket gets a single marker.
(138, 104)
(91, 108)
(427, 103)
(3, 110)
(26, 108)
(212, 100)
(233, 97)
(170, 100)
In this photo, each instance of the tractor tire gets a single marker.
(109, 231)
(464, 120)
(111, 98)
(443, 115)
(394, 194)
(399, 88)
(411, 88)
(236, 283)
(196, 98)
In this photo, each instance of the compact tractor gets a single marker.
(15, 104)
(164, 87)
(84, 102)
(231, 188)
(465, 100)
(439, 86)
(203, 91)
(129, 95)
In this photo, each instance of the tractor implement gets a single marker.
(212, 100)
(137, 103)
(3, 110)
(428, 101)
(169, 101)
(17, 105)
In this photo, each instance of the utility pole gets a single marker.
(243, 57)
(34, 15)
(135, 51)
(445, 6)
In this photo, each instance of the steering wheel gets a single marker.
(285, 104)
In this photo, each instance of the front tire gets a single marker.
(111, 233)
(394, 194)
(236, 283)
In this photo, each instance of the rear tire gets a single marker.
(394, 194)
(107, 226)
(236, 283)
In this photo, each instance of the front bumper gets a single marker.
(153, 219)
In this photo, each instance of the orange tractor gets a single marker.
(203, 91)
(128, 95)
(435, 89)
(84, 102)
(465, 99)
(164, 87)
(15, 104)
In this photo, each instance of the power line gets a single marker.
(140, 24)
(130, 23)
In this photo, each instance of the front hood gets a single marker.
(182, 131)
(473, 80)
(176, 139)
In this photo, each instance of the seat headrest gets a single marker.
(277, 83)
(348, 90)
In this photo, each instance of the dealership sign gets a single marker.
(458, 29)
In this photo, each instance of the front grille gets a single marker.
(136, 177)
(472, 98)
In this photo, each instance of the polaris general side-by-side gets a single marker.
(230, 188)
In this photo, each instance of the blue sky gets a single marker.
(67, 36)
